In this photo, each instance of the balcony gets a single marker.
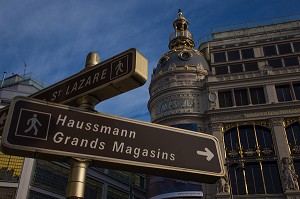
(181, 34)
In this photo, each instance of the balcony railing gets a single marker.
(28, 78)
(204, 39)
(253, 24)
(265, 27)
(185, 34)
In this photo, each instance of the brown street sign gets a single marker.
(121, 73)
(40, 129)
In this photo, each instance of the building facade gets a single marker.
(247, 96)
(29, 178)
(178, 99)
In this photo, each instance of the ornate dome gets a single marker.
(177, 84)
(181, 58)
(182, 52)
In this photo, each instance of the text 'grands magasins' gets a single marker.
(96, 143)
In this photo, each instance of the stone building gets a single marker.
(245, 92)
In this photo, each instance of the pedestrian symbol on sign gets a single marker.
(33, 124)
(119, 67)
(33, 121)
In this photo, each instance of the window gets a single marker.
(275, 63)
(241, 98)
(271, 177)
(221, 70)
(291, 61)
(231, 142)
(296, 46)
(296, 87)
(264, 139)
(219, 57)
(7, 192)
(244, 138)
(249, 174)
(257, 96)
(113, 193)
(247, 53)
(93, 189)
(293, 136)
(269, 51)
(38, 195)
(225, 99)
(51, 177)
(251, 66)
(254, 178)
(284, 48)
(247, 139)
(236, 177)
(237, 68)
(233, 55)
(283, 93)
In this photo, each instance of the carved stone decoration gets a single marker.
(202, 73)
(172, 77)
(288, 174)
(216, 127)
(256, 115)
(172, 67)
(202, 129)
(265, 70)
(277, 121)
(223, 185)
(289, 121)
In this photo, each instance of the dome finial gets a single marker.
(181, 38)
(179, 13)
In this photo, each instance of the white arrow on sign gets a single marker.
(209, 155)
(3, 118)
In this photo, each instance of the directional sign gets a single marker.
(40, 129)
(112, 77)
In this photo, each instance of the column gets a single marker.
(271, 94)
(25, 178)
(285, 162)
(278, 133)
(221, 188)
(105, 190)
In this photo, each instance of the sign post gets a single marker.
(119, 74)
(110, 141)
(97, 82)
(79, 166)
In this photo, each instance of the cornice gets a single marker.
(257, 112)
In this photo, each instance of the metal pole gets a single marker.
(4, 74)
(78, 166)
(77, 177)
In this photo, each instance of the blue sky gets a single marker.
(53, 37)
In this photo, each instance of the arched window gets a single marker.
(293, 136)
(252, 165)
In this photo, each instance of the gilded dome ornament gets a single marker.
(182, 56)
(181, 38)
